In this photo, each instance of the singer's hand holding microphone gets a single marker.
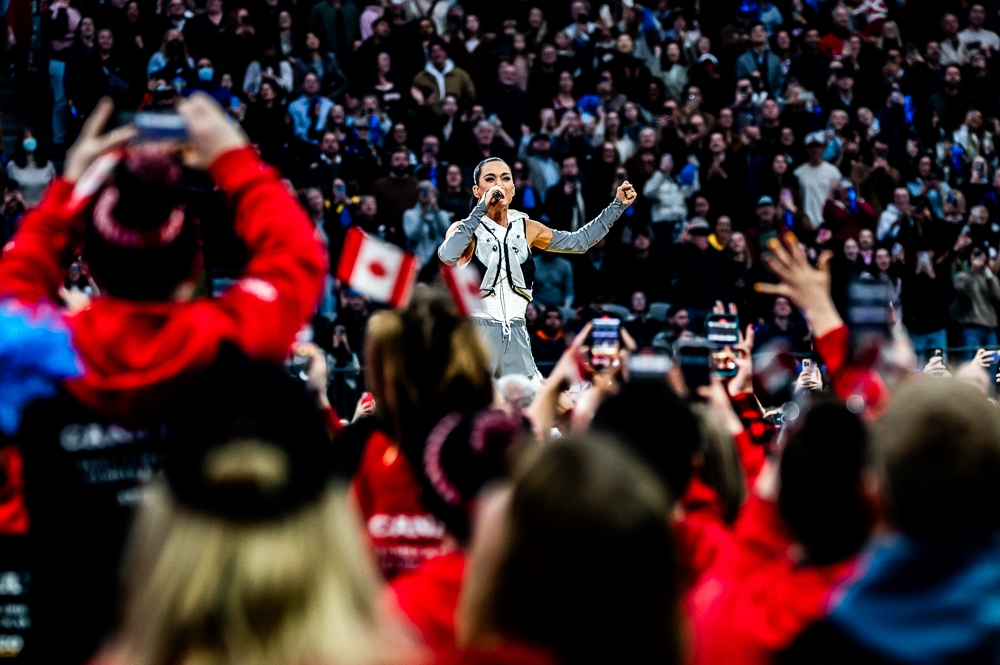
(494, 195)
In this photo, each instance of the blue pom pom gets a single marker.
(36, 353)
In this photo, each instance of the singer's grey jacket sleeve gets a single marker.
(453, 247)
(580, 241)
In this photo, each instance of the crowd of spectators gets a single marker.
(188, 482)
(867, 127)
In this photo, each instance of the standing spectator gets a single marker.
(310, 111)
(324, 64)
(783, 325)
(978, 292)
(441, 74)
(895, 216)
(670, 196)
(761, 62)
(512, 106)
(395, 193)
(270, 66)
(59, 24)
(205, 33)
(952, 49)
(565, 204)
(30, 168)
(832, 44)
(425, 224)
(335, 22)
(544, 170)
(975, 37)
(816, 178)
(553, 281)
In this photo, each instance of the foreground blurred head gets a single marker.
(937, 457)
(576, 558)
(141, 243)
(249, 552)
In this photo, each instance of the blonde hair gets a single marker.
(201, 588)
(722, 469)
(426, 361)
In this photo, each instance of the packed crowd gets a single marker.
(218, 450)
(865, 127)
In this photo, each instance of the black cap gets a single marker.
(239, 403)
(462, 454)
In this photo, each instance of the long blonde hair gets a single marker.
(302, 588)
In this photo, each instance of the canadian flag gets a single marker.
(464, 286)
(377, 269)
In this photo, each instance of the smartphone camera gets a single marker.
(723, 337)
(694, 357)
(605, 343)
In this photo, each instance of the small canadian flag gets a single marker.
(377, 269)
(464, 286)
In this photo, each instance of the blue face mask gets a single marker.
(206, 74)
(30, 144)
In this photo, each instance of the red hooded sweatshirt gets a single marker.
(134, 353)
(755, 599)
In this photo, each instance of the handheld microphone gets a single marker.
(497, 195)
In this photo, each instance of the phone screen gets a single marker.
(694, 360)
(605, 342)
(723, 336)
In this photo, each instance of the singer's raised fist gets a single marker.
(626, 193)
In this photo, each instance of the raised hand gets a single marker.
(626, 193)
(92, 143)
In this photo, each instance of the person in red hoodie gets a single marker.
(462, 455)
(88, 450)
(425, 361)
(794, 541)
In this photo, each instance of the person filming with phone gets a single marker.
(141, 338)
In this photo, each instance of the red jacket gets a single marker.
(849, 377)
(134, 353)
(403, 533)
(428, 597)
(13, 513)
(755, 599)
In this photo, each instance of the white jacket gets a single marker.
(670, 199)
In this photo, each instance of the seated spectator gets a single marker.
(832, 44)
(268, 124)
